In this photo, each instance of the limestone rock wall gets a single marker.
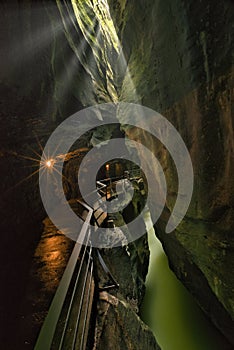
(180, 58)
(127, 330)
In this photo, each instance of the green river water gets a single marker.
(169, 309)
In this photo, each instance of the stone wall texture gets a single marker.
(180, 57)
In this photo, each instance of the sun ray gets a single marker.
(41, 36)
(59, 166)
(29, 158)
(35, 152)
(56, 148)
(63, 176)
(38, 141)
(30, 166)
(21, 181)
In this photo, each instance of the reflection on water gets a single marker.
(49, 262)
(170, 311)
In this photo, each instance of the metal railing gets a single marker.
(70, 296)
(67, 323)
(101, 188)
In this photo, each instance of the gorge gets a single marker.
(174, 57)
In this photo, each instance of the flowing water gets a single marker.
(170, 311)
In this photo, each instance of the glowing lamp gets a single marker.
(49, 163)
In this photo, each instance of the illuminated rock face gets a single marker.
(179, 57)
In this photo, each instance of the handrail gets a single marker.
(47, 332)
(102, 185)
(109, 274)
(80, 306)
(71, 301)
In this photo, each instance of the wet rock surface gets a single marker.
(120, 306)
(127, 330)
(47, 267)
(189, 80)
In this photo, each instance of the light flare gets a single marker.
(50, 163)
